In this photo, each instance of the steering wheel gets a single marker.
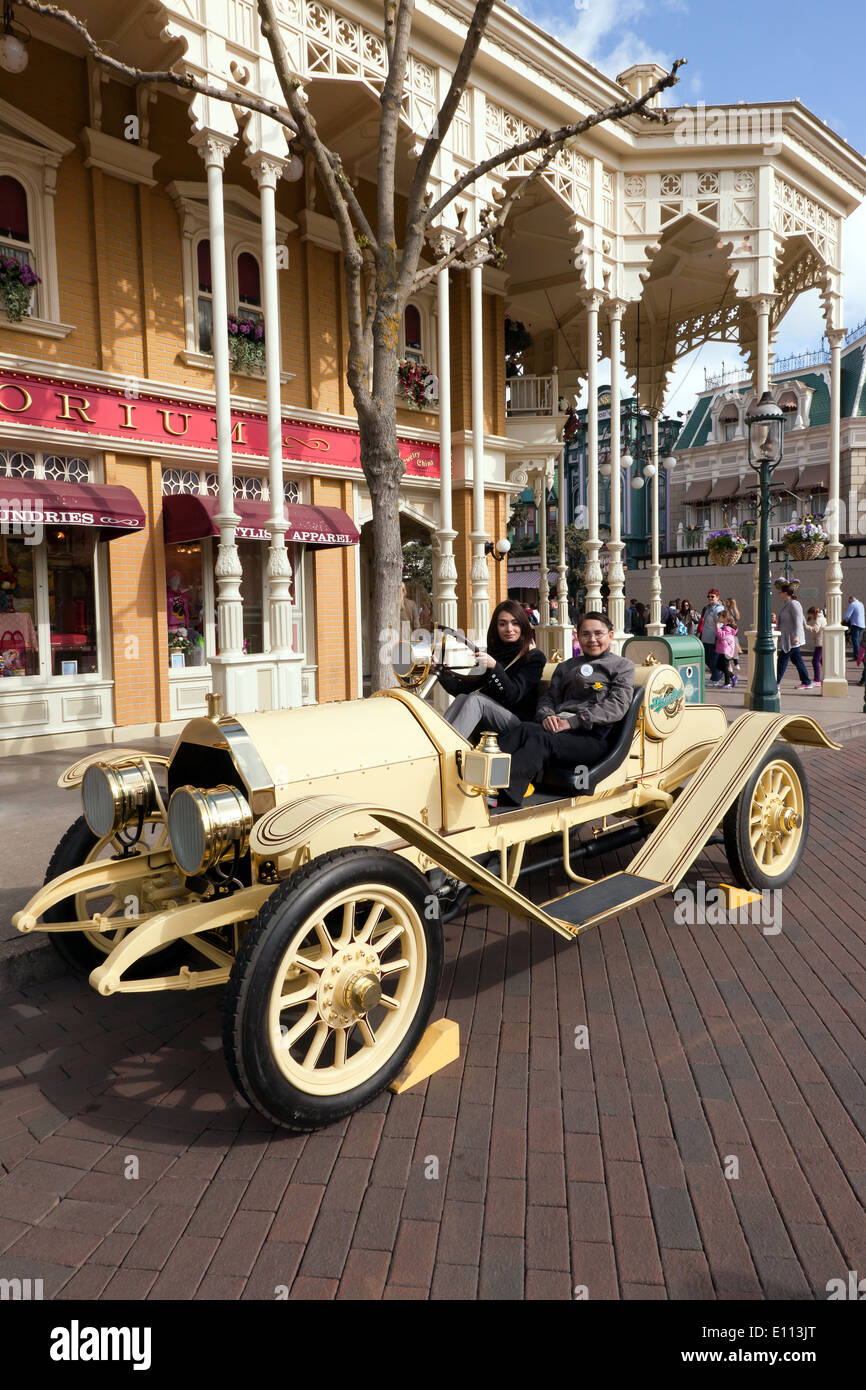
(424, 661)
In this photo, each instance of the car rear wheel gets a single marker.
(766, 828)
(332, 987)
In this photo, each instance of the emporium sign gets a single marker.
(147, 418)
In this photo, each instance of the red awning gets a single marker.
(110, 510)
(814, 478)
(190, 517)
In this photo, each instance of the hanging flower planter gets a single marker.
(571, 426)
(805, 540)
(416, 384)
(725, 547)
(17, 280)
(246, 344)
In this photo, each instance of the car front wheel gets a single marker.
(333, 987)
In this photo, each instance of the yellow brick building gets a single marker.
(107, 417)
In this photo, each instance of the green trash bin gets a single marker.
(684, 653)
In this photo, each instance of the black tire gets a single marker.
(78, 953)
(247, 1039)
(736, 825)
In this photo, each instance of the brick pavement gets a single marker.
(713, 1049)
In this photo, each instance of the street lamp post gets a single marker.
(765, 452)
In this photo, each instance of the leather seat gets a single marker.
(561, 777)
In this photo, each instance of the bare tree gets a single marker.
(381, 262)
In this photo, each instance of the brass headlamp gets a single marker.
(486, 767)
(207, 826)
(114, 794)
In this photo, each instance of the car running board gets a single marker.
(584, 907)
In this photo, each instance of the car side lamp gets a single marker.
(485, 768)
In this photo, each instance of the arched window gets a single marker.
(14, 222)
(204, 295)
(413, 343)
(249, 287)
(728, 421)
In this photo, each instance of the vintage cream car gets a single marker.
(304, 858)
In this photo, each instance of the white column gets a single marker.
(446, 573)
(213, 149)
(562, 623)
(834, 683)
(655, 627)
(480, 612)
(266, 172)
(543, 586)
(447, 604)
(593, 569)
(616, 574)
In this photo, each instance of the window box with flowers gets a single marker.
(725, 547)
(417, 384)
(246, 344)
(17, 281)
(805, 540)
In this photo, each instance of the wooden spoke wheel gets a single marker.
(766, 828)
(83, 951)
(332, 987)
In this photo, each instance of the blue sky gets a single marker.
(740, 50)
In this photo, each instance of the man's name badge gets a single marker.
(586, 670)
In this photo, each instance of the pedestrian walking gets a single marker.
(726, 647)
(707, 630)
(792, 635)
(855, 622)
(816, 622)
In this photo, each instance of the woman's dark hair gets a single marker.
(596, 617)
(787, 589)
(685, 606)
(495, 645)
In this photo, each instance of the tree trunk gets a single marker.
(383, 470)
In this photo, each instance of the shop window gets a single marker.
(204, 298)
(413, 339)
(185, 605)
(179, 480)
(19, 640)
(292, 492)
(71, 601)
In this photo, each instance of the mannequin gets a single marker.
(177, 601)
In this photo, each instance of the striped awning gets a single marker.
(815, 478)
(698, 491)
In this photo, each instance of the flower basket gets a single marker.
(721, 555)
(414, 382)
(17, 280)
(805, 540)
(246, 344)
(805, 550)
(725, 547)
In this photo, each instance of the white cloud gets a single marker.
(605, 35)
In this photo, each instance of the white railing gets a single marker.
(530, 395)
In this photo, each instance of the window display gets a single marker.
(185, 604)
(19, 642)
(71, 601)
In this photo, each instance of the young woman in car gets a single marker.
(503, 688)
(588, 696)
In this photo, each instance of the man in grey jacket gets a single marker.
(588, 696)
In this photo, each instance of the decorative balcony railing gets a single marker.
(530, 395)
